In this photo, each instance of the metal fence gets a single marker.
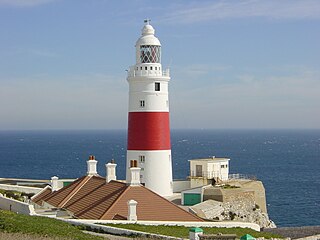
(242, 176)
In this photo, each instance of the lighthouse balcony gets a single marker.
(133, 72)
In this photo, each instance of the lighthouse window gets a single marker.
(150, 54)
(142, 158)
(142, 103)
(157, 86)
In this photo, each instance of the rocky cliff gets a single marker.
(240, 201)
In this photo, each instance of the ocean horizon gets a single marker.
(286, 160)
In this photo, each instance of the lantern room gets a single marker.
(148, 47)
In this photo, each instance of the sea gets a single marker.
(287, 161)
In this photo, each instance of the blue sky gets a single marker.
(234, 64)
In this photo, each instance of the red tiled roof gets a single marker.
(57, 197)
(38, 198)
(95, 203)
(90, 197)
(150, 207)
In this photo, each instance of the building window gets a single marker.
(222, 166)
(140, 68)
(157, 86)
(142, 103)
(151, 68)
(145, 68)
(155, 68)
(142, 158)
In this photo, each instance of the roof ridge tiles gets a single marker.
(119, 191)
(170, 202)
(55, 193)
(126, 187)
(74, 191)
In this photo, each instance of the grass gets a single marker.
(41, 227)
(180, 231)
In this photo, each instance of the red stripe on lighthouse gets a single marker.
(149, 131)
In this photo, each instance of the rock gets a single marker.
(239, 208)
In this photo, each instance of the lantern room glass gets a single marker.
(150, 54)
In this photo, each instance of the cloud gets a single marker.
(203, 11)
(88, 101)
(24, 3)
(250, 100)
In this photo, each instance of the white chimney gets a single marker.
(92, 166)
(135, 173)
(132, 210)
(54, 183)
(111, 171)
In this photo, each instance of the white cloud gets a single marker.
(24, 3)
(89, 101)
(251, 100)
(202, 11)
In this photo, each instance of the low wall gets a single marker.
(180, 185)
(16, 206)
(20, 188)
(226, 224)
(118, 231)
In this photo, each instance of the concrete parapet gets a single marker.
(20, 188)
(226, 224)
(16, 206)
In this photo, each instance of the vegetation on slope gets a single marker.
(41, 226)
(180, 231)
(16, 195)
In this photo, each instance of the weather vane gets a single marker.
(147, 21)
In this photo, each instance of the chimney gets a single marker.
(111, 171)
(135, 173)
(92, 166)
(54, 183)
(132, 210)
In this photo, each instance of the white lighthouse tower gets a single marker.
(148, 120)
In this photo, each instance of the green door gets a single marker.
(191, 198)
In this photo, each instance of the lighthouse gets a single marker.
(148, 117)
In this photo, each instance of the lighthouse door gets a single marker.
(198, 170)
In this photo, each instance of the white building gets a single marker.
(208, 170)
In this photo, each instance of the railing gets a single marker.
(242, 176)
(204, 174)
(148, 73)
